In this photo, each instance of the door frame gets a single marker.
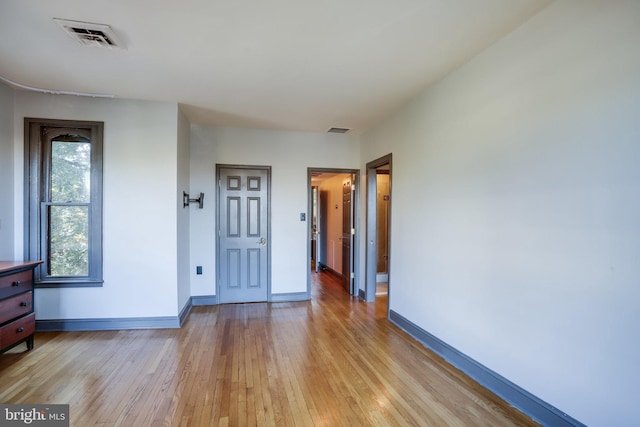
(355, 245)
(371, 250)
(217, 231)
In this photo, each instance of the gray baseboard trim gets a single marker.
(291, 296)
(382, 277)
(109, 324)
(526, 402)
(184, 313)
(204, 300)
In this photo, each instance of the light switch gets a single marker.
(303, 216)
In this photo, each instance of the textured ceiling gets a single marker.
(285, 64)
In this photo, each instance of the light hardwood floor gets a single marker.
(331, 361)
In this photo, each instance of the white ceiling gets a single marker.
(284, 64)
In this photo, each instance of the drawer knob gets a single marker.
(16, 283)
(24, 304)
(20, 330)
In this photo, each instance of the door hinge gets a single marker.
(353, 275)
(353, 231)
(353, 187)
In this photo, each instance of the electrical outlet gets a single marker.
(199, 269)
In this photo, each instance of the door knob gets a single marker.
(262, 241)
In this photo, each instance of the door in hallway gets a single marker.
(347, 237)
(243, 234)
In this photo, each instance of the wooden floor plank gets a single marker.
(331, 361)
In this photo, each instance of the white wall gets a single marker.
(139, 206)
(183, 225)
(516, 211)
(6, 173)
(289, 154)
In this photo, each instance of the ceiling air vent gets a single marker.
(89, 34)
(338, 130)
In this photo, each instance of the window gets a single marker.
(63, 171)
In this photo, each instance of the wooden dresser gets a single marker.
(17, 318)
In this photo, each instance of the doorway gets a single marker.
(378, 257)
(243, 238)
(383, 200)
(333, 238)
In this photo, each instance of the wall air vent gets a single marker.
(89, 34)
(338, 130)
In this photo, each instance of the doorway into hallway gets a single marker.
(333, 195)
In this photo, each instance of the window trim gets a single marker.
(35, 172)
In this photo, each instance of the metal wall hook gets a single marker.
(186, 200)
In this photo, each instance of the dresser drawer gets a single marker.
(17, 330)
(16, 283)
(16, 306)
